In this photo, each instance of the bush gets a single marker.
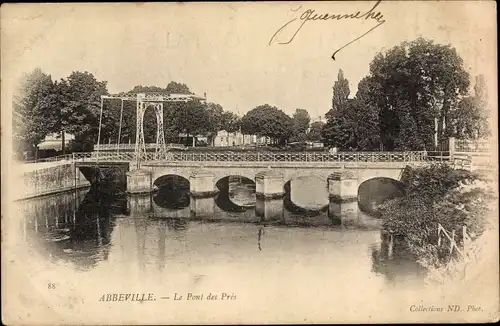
(436, 195)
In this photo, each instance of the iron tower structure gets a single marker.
(144, 101)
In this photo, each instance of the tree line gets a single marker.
(411, 90)
(72, 105)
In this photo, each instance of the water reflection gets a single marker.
(393, 260)
(239, 190)
(307, 193)
(156, 231)
(291, 207)
(74, 227)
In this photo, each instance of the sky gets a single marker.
(223, 50)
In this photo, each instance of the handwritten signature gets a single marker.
(310, 15)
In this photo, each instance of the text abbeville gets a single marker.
(128, 297)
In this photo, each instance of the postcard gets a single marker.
(249, 163)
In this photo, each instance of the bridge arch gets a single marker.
(171, 180)
(375, 191)
(173, 192)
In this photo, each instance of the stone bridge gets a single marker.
(341, 179)
(270, 171)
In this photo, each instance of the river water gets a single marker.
(291, 250)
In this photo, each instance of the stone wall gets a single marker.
(52, 180)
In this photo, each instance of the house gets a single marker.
(237, 138)
(54, 141)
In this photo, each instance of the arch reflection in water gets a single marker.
(237, 189)
(235, 200)
(309, 193)
(376, 191)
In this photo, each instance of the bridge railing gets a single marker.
(298, 157)
(259, 157)
(105, 156)
(131, 147)
(66, 157)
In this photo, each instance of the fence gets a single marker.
(453, 245)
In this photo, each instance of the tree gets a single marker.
(408, 87)
(314, 133)
(266, 120)
(32, 112)
(416, 82)
(340, 91)
(82, 106)
(301, 121)
(215, 112)
(190, 118)
(470, 119)
(147, 89)
(230, 122)
(177, 88)
(336, 133)
(366, 117)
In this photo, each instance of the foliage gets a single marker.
(266, 120)
(407, 88)
(32, 110)
(470, 119)
(230, 122)
(215, 112)
(314, 133)
(352, 123)
(190, 118)
(301, 120)
(337, 132)
(146, 89)
(416, 82)
(80, 100)
(340, 91)
(437, 194)
(177, 88)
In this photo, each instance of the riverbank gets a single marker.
(446, 220)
